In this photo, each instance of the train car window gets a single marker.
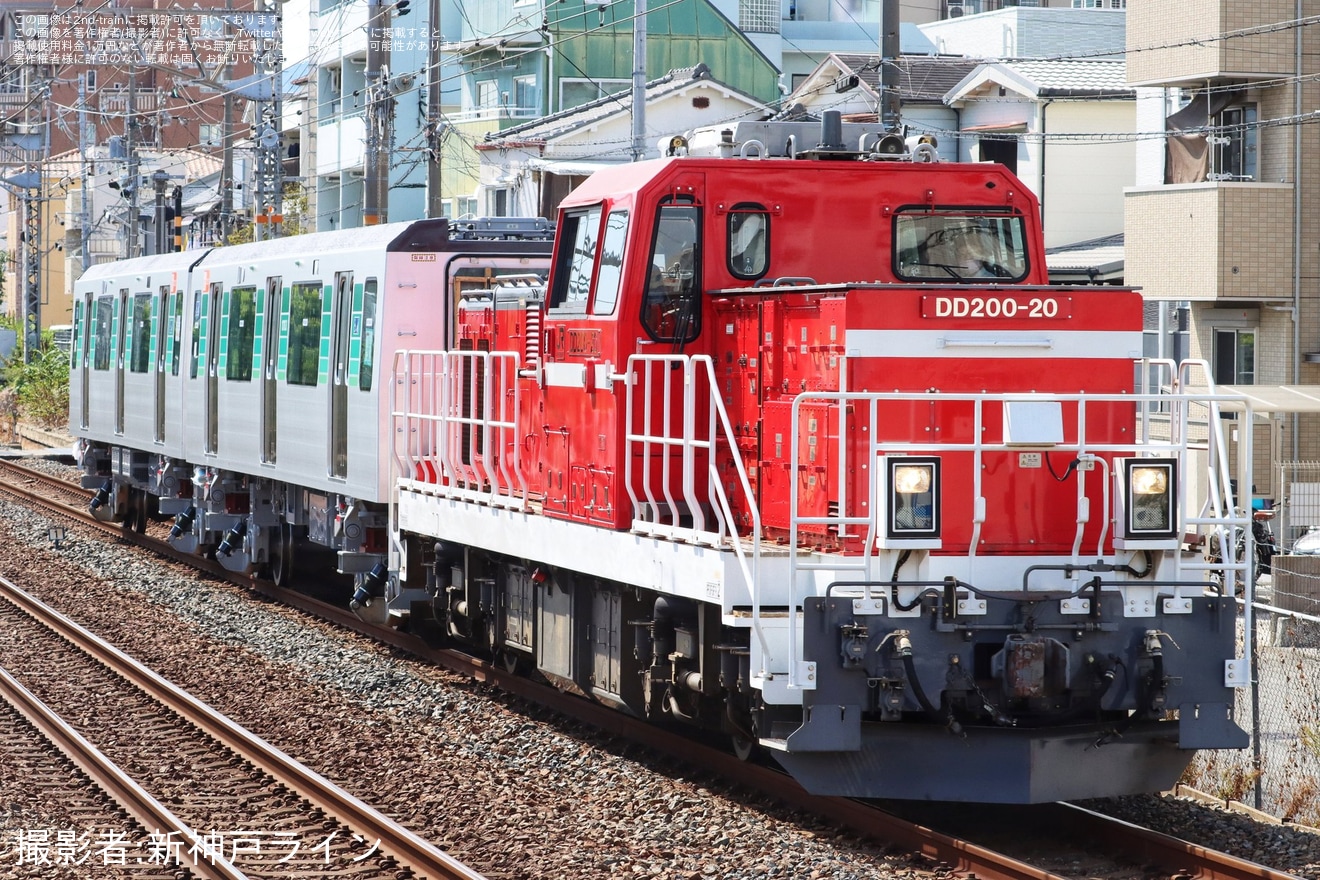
(304, 333)
(76, 344)
(176, 331)
(104, 317)
(140, 358)
(368, 334)
(748, 231)
(196, 354)
(610, 274)
(242, 324)
(959, 244)
(671, 307)
(576, 262)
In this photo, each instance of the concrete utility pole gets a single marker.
(132, 224)
(639, 82)
(434, 94)
(380, 113)
(86, 141)
(890, 49)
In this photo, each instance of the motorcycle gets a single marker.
(1262, 536)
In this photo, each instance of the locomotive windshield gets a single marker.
(960, 244)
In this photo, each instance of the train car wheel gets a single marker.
(281, 556)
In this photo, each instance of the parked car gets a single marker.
(1308, 544)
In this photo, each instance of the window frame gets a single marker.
(689, 303)
(745, 210)
(949, 273)
(242, 317)
(304, 342)
(139, 359)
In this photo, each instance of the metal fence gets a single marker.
(1279, 772)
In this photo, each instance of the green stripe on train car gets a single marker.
(323, 365)
(223, 361)
(282, 367)
(258, 333)
(114, 330)
(355, 337)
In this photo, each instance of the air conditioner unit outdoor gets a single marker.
(956, 12)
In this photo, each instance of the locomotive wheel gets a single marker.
(743, 747)
(281, 556)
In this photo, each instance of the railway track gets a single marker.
(952, 850)
(205, 792)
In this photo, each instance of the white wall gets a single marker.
(1084, 180)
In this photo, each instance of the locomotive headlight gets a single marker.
(912, 508)
(1152, 493)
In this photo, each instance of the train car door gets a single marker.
(121, 334)
(161, 344)
(211, 315)
(340, 323)
(270, 358)
(85, 358)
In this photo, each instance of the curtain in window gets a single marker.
(1187, 158)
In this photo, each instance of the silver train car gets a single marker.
(245, 390)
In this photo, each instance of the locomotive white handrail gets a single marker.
(869, 402)
(457, 432)
(645, 372)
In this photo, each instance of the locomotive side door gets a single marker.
(582, 341)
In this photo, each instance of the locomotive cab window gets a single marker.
(610, 276)
(748, 230)
(671, 308)
(950, 244)
(576, 261)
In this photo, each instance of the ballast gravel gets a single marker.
(502, 786)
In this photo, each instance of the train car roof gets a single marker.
(174, 262)
(632, 177)
(414, 235)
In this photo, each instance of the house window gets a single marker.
(575, 92)
(499, 202)
(1235, 144)
(759, 16)
(465, 206)
(526, 96)
(1235, 356)
(208, 134)
(488, 95)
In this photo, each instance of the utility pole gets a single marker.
(159, 179)
(86, 140)
(131, 244)
(374, 196)
(890, 49)
(639, 82)
(434, 94)
(227, 167)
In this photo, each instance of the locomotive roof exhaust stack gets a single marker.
(831, 131)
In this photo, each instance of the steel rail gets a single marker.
(137, 801)
(407, 847)
(961, 856)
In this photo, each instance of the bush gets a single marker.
(41, 386)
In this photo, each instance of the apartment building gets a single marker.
(1226, 210)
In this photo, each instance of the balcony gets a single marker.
(1210, 241)
(1167, 42)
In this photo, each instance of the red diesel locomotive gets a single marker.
(799, 443)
